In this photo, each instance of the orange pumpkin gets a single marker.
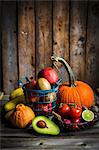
(22, 116)
(76, 92)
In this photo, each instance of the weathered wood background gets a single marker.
(30, 32)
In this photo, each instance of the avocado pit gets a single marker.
(41, 124)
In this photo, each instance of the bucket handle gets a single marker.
(20, 81)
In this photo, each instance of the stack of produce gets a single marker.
(75, 100)
(16, 96)
(76, 108)
(16, 112)
(19, 115)
(41, 93)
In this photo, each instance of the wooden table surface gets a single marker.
(26, 139)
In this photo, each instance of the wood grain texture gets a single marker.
(7, 131)
(43, 34)
(34, 31)
(26, 38)
(78, 14)
(9, 46)
(61, 33)
(51, 143)
(92, 45)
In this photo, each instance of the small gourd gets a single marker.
(22, 116)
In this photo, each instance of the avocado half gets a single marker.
(49, 127)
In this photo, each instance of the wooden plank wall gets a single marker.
(9, 46)
(61, 33)
(43, 34)
(31, 31)
(26, 39)
(78, 14)
(92, 44)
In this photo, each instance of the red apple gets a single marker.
(50, 74)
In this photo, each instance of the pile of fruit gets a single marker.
(76, 107)
(41, 93)
(18, 111)
(75, 117)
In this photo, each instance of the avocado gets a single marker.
(44, 125)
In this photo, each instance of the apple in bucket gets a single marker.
(50, 74)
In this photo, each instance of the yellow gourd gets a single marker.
(22, 116)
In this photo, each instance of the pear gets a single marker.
(43, 84)
(12, 103)
(44, 125)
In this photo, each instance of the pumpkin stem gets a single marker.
(68, 68)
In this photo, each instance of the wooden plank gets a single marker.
(7, 131)
(78, 15)
(26, 38)
(92, 45)
(51, 143)
(61, 33)
(9, 46)
(43, 34)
